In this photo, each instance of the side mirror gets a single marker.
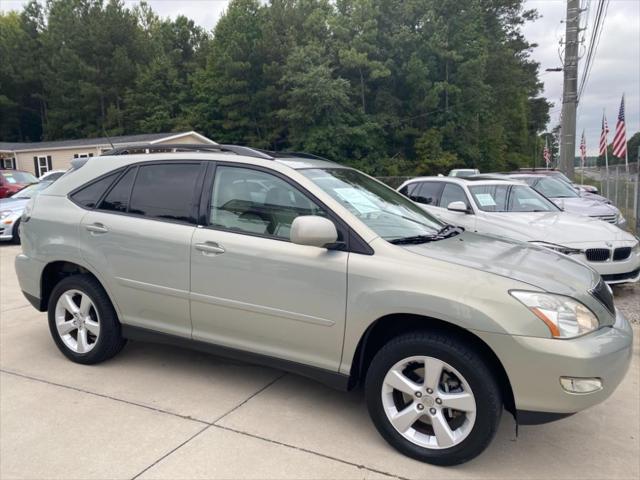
(313, 231)
(458, 207)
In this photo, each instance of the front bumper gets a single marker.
(620, 271)
(534, 366)
(6, 229)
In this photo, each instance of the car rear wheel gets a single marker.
(433, 398)
(82, 320)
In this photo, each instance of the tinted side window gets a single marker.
(89, 195)
(252, 201)
(452, 193)
(166, 191)
(428, 193)
(407, 190)
(117, 200)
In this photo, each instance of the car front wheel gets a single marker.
(433, 398)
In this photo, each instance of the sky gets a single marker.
(615, 69)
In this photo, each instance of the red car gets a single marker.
(12, 181)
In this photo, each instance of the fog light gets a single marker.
(581, 385)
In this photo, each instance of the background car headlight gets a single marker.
(5, 214)
(564, 316)
(557, 248)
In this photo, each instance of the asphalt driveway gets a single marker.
(161, 412)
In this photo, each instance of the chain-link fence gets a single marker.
(393, 182)
(620, 185)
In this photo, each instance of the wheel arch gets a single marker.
(393, 325)
(55, 271)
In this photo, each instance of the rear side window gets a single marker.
(166, 191)
(428, 193)
(89, 195)
(117, 200)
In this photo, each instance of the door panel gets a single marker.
(269, 296)
(251, 288)
(146, 263)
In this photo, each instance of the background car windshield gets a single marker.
(510, 198)
(382, 209)
(31, 190)
(19, 177)
(551, 187)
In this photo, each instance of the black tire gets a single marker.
(465, 360)
(16, 233)
(110, 340)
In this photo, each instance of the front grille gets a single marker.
(621, 253)
(618, 277)
(602, 292)
(597, 254)
(607, 218)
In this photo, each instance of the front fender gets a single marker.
(385, 284)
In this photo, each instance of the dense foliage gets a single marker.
(394, 87)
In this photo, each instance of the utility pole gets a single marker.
(570, 88)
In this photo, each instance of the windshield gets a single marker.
(382, 209)
(551, 187)
(510, 198)
(19, 177)
(29, 191)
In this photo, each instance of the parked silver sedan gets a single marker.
(570, 201)
(11, 210)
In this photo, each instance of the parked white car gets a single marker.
(509, 208)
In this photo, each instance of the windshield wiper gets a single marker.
(449, 231)
(445, 232)
(414, 240)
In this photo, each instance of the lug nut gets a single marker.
(432, 411)
(420, 406)
(438, 401)
(418, 394)
(429, 391)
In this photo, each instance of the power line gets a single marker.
(596, 35)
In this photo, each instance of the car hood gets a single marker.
(595, 196)
(13, 203)
(561, 228)
(585, 206)
(537, 266)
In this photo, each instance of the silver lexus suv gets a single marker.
(292, 261)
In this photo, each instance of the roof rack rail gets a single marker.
(184, 147)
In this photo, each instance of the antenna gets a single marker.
(105, 134)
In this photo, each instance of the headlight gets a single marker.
(620, 219)
(5, 214)
(636, 248)
(557, 248)
(564, 316)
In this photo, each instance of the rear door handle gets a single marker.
(97, 228)
(210, 248)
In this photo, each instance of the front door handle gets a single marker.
(97, 228)
(210, 248)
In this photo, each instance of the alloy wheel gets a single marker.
(77, 321)
(428, 402)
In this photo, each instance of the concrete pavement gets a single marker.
(158, 412)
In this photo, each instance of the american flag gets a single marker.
(620, 138)
(603, 135)
(546, 154)
(583, 149)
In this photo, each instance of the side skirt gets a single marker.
(335, 380)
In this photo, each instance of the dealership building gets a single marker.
(41, 157)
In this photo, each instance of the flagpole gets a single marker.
(606, 147)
